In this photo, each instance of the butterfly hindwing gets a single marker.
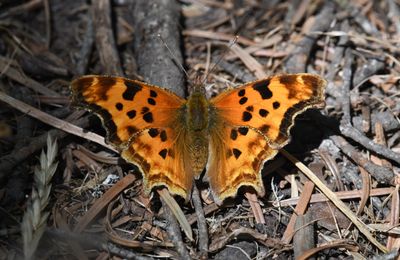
(236, 156)
(161, 155)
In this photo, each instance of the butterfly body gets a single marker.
(172, 140)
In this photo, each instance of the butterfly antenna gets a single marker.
(231, 43)
(173, 56)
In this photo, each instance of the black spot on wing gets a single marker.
(144, 110)
(153, 132)
(151, 101)
(276, 105)
(131, 89)
(250, 108)
(263, 112)
(131, 114)
(243, 130)
(148, 117)
(234, 134)
(163, 153)
(246, 116)
(262, 88)
(243, 100)
(163, 136)
(236, 152)
(241, 93)
(153, 93)
(119, 106)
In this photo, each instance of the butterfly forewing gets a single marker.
(125, 106)
(270, 105)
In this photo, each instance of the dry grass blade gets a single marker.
(252, 64)
(349, 245)
(177, 211)
(217, 36)
(332, 196)
(34, 221)
(351, 194)
(393, 239)
(53, 121)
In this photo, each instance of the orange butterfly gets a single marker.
(172, 140)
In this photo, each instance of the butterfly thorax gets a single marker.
(197, 120)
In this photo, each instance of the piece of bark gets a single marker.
(240, 250)
(104, 35)
(155, 64)
(304, 238)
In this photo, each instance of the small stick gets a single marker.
(105, 42)
(201, 223)
(174, 232)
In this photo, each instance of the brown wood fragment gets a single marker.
(153, 18)
(304, 236)
(298, 211)
(255, 207)
(104, 35)
(366, 188)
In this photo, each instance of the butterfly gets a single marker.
(172, 140)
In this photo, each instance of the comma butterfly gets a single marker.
(172, 140)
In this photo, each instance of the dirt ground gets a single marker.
(332, 192)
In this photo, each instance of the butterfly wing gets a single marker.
(125, 106)
(143, 122)
(266, 109)
(161, 155)
(236, 157)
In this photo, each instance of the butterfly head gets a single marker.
(197, 84)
